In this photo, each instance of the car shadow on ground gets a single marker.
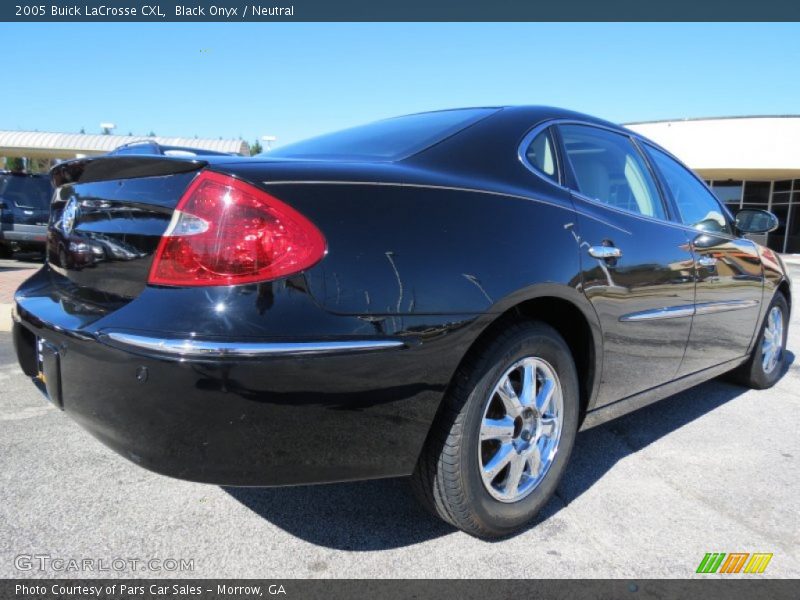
(383, 514)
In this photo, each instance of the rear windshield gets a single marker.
(387, 140)
(26, 192)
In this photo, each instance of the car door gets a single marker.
(637, 267)
(728, 269)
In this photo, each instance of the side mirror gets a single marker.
(750, 220)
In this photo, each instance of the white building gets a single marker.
(750, 162)
(49, 145)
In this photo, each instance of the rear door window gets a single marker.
(609, 169)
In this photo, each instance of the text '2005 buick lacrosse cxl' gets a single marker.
(448, 295)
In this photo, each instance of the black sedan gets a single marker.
(449, 295)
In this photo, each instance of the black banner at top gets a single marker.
(407, 10)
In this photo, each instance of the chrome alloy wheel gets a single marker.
(520, 429)
(772, 344)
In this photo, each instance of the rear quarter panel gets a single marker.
(413, 248)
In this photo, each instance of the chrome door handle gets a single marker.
(605, 252)
(707, 261)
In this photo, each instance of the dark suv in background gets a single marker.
(24, 211)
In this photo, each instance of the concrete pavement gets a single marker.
(13, 271)
(713, 469)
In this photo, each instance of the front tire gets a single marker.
(502, 439)
(765, 365)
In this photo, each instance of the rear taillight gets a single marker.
(227, 232)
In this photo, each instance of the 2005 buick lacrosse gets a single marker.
(449, 295)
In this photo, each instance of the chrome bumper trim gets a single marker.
(193, 348)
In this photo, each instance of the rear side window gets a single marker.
(608, 168)
(697, 206)
(26, 192)
(390, 139)
(541, 156)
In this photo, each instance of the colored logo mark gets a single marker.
(735, 562)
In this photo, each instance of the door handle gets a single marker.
(706, 261)
(605, 252)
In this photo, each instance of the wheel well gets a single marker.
(568, 320)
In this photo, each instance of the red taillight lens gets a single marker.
(227, 232)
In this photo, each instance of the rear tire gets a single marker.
(6, 251)
(763, 369)
(513, 402)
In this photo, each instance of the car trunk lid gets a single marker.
(107, 217)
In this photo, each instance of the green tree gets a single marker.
(15, 163)
(256, 148)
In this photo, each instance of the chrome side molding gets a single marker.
(671, 312)
(707, 308)
(195, 348)
(689, 310)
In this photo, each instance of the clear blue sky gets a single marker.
(296, 80)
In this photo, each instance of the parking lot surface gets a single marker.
(713, 469)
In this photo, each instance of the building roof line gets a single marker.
(70, 143)
(711, 119)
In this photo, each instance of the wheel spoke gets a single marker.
(503, 456)
(514, 474)
(498, 429)
(509, 398)
(528, 383)
(535, 461)
(545, 395)
(549, 426)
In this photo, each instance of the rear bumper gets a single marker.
(241, 413)
(25, 234)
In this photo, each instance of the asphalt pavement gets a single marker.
(713, 469)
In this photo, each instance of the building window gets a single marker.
(784, 202)
(729, 192)
(793, 225)
(756, 194)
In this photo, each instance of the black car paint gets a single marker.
(431, 250)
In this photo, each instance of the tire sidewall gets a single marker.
(542, 342)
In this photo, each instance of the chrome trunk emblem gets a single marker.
(69, 215)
